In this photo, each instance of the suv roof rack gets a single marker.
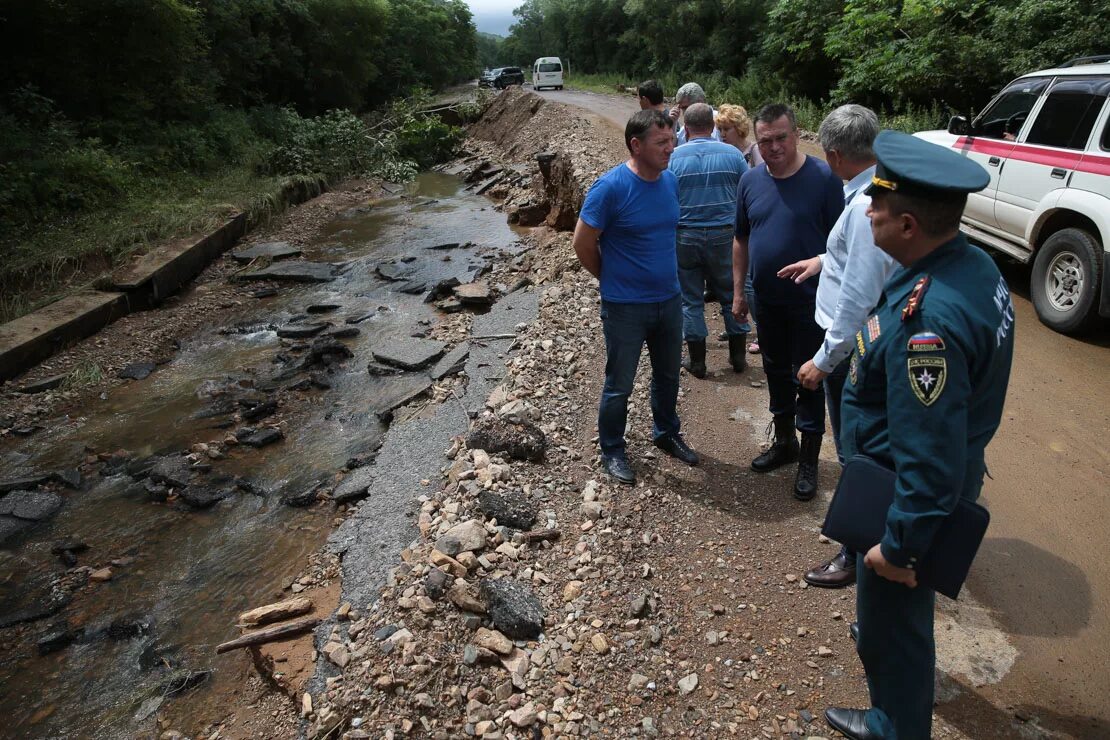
(1096, 59)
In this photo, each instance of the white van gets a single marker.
(547, 72)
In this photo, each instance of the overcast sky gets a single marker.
(493, 16)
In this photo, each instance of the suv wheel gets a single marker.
(1066, 279)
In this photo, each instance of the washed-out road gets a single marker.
(1039, 594)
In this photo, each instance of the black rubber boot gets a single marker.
(784, 450)
(737, 352)
(805, 483)
(696, 364)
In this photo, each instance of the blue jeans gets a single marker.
(627, 327)
(705, 259)
(788, 338)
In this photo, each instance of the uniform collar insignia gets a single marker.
(917, 297)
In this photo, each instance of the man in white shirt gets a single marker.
(686, 96)
(853, 272)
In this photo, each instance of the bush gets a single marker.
(427, 141)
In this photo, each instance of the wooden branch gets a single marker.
(270, 634)
(538, 535)
(282, 610)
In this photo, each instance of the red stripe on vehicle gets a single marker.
(1077, 161)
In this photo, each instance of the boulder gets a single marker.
(521, 441)
(513, 608)
(512, 509)
(202, 497)
(263, 437)
(136, 371)
(172, 471)
(301, 331)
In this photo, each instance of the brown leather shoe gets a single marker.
(834, 574)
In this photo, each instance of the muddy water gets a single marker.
(185, 574)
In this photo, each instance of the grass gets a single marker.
(60, 256)
(752, 94)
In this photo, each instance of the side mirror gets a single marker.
(959, 126)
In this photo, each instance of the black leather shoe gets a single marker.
(834, 574)
(784, 449)
(853, 630)
(676, 447)
(619, 468)
(850, 723)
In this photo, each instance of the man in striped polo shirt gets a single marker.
(708, 172)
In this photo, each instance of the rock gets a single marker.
(70, 477)
(591, 510)
(46, 384)
(451, 363)
(125, 628)
(510, 509)
(384, 633)
(442, 289)
(31, 506)
(513, 608)
(460, 596)
(172, 471)
(454, 567)
(641, 606)
(572, 591)
(377, 369)
(524, 717)
(638, 682)
(468, 536)
(493, 640)
(436, 584)
(344, 332)
(261, 410)
(273, 250)
(322, 308)
(301, 331)
(474, 294)
(409, 353)
(57, 640)
(337, 654)
(263, 437)
(306, 497)
(470, 655)
(293, 272)
(599, 643)
(136, 371)
(202, 497)
(522, 441)
(688, 684)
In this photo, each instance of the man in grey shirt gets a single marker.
(853, 272)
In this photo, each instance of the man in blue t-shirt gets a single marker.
(625, 237)
(785, 209)
(708, 173)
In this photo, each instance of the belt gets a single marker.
(704, 228)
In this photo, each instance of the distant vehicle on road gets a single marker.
(1045, 141)
(501, 77)
(547, 72)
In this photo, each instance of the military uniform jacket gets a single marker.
(926, 383)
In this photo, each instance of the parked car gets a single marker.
(486, 78)
(1045, 141)
(507, 75)
(547, 72)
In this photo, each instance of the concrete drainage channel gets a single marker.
(141, 284)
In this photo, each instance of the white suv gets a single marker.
(1045, 140)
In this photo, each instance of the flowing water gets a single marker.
(186, 574)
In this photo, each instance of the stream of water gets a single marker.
(187, 574)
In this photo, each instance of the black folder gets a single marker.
(857, 520)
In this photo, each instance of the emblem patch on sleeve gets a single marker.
(925, 342)
(927, 376)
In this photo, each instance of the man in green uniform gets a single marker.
(926, 385)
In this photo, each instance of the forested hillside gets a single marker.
(894, 54)
(122, 121)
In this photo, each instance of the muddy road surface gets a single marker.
(1040, 588)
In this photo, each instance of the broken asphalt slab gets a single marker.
(272, 250)
(408, 353)
(293, 271)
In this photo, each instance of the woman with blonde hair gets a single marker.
(735, 128)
